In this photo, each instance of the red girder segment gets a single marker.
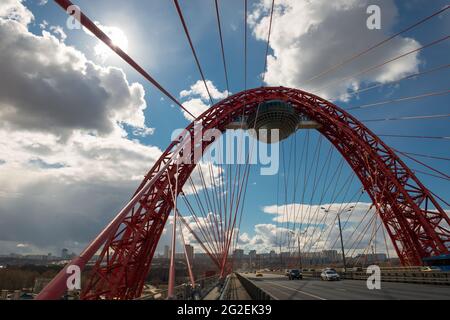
(402, 202)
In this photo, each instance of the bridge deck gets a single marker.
(279, 287)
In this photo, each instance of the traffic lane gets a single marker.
(345, 289)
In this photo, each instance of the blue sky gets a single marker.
(156, 41)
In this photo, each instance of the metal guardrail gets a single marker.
(185, 290)
(405, 275)
(225, 294)
(254, 291)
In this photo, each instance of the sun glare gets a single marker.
(118, 38)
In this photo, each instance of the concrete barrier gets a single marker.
(254, 291)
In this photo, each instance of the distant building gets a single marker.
(65, 253)
(372, 257)
(252, 254)
(238, 254)
(190, 253)
(166, 252)
(272, 254)
(330, 255)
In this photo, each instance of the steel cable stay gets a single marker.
(92, 27)
(246, 177)
(442, 174)
(369, 69)
(344, 207)
(294, 187)
(188, 36)
(326, 183)
(423, 117)
(314, 187)
(409, 77)
(305, 180)
(431, 174)
(216, 205)
(434, 157)
(370, 240)
(380, 103)
(176, 223)
(414, 136)
(337, 174)
(346, 186)
(360, 237)
(286, 169)
(326, 186)
(222, 48)
(268, 43)
(296, 174)
(379, 44)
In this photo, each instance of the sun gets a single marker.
(118, 38)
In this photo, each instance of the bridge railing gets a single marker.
(185, 290)
(402, 274)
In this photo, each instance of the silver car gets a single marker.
(330, 275)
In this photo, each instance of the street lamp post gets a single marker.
(342, 242)
(298, 243)
(340, 234)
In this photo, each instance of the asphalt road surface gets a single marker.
(279, 287)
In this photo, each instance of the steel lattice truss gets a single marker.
(416, 223)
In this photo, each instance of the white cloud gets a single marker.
(309, 37)
(297, 212)
(64, 90)
(58, 31)
(196, 106)
(199, 89)
(15, 10)
(101, 50)
(66, 163)
(197, 98)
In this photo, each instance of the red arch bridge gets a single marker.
(417, 225)
(412, 216)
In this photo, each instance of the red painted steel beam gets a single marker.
(403, 203)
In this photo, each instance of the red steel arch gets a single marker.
(414, 220)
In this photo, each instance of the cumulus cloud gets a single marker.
(298, 212)
(15, 10)
(309, 37)
(101, 50)
(320, 233)
(196, 98)
(67, 164)
(47, 85)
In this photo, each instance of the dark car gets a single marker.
(295, 274)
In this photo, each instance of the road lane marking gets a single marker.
(306, 293)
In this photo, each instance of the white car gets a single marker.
(330, 275)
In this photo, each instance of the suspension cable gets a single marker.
(186, 31)
(432, 116)
(430, 174)
(219, 25)
(354, 75)
(425, 95)
(423, 155)
(414, 137)
(379, 44)
(267, 44)
(92, 27)
(411, 76)
(245, 43)
(425, 165)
